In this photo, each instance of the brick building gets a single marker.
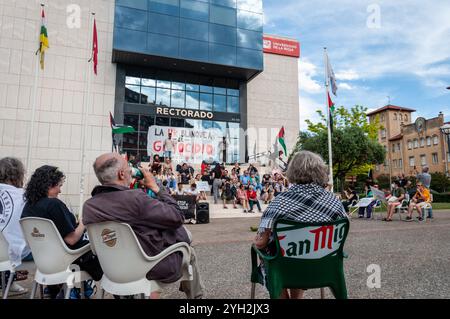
(409, 145)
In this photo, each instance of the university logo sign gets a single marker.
(312, 242)
(6, 209)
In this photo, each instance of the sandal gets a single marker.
(21, 275)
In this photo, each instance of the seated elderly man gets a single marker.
(306, 201)
(157, 223)
(419, 200)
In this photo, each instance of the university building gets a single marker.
(410, 145)
(181, 65)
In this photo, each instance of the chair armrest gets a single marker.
(78, 252)
(178, 247)
(261, 254)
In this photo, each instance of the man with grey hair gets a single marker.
(305, 201)
(157, 223)
(424, 177)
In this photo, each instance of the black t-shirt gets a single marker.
(57, 211)
(206, 178)
(184, 173)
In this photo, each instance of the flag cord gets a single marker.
(84, 125)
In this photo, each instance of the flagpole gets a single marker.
(33, 109)
(84, 118)
(330, 150)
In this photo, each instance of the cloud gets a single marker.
(306, 72)
(308, 110)
(345, 86)
(347, 75)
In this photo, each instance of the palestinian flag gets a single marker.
(280, 138)
(119, 129)
(331, 111)
(43, 39)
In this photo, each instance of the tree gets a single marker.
(356, 117)
(351, 148)
(439, 182)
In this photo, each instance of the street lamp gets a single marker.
(446, 131)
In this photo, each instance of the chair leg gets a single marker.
(41, 291)
(322, 293)
(66, 292)
(3, 281)
(82, 296)
(339, 289)
(33, 290)
(8, 285)
(252, 291)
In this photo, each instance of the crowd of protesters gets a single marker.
(238, 186)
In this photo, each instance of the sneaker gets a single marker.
(420, 219)
(408, 219)
(361, 216)
(75, 293)
(245, 211)
(89, 288)
(15, 290)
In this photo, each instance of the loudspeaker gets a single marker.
(202, 213)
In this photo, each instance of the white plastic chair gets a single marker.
(52, 256)
(124, 262)
(5, 265)
(403, 206)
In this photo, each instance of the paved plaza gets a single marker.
(414, 257)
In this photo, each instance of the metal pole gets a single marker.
(446, 154)
(33, 111)
(330, 152)
(84, 117)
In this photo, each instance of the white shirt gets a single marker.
(11, 206)
(168, 145)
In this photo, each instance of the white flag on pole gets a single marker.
(332, 77)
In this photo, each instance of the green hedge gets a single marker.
(441, 197)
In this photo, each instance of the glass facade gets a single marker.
(225, 32)
(152, 92)
(181, 95)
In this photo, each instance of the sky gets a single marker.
(379, 50)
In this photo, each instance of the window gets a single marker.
(423, 160)
(222, 15)
(398, 147)
(393, 148)
(382, 118)
(434, 158)
(435, 140)
(406, 117)
(401, 117)
(416, 143)
(136, 143)
(383, 133)
(395, 116)
(412, 161)
(400, 163)
(422, 142)
(394, 164)
(428, 141)
(410, 145)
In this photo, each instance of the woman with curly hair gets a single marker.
(41, 197)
